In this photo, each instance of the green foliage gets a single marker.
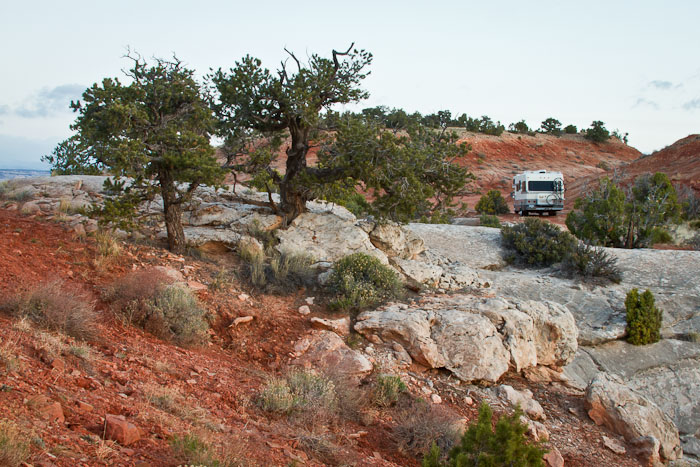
(489, 220)
(14, 446)
(643, 318)
(483, 125)
(155, 131)
(619, 135)
(492, 203)
(360, 280)
(599, 217)
(597, 132)
(483, 446)
(386, 165)
(589, 262)
(537, 243)
(387, 390)
(520, 127)
(299, 391)
(570, 129)
(73, 157)
(552, 126)
(608, 217)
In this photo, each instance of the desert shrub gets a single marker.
(55, 307)
(14, 448)
(643, 318)
(360, 280)
(695, 224)
(603, 165)
(589, 262)
(659, 235)
(484, 445)
(175, 315)
(570, 129)
(492, 203)
(689, 201)
(9, 357)
(489, 220)
(420, 424)
(169, 312)
(597, 132)
(300, 391)
(537, 243)
(387, 390)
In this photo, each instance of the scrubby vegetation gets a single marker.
(597, 132)
(590, 262)
(608, 216)
(483, 445)
(492, 203)
(489, 220)
(537, 243)
(360, 280)
(387, 390)
(300, 391)
(14, 445)
(148, 299)
(192, 450)
(56, 307)
(420, 424)
(643, 318)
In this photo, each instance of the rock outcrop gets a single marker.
(327, 351)
(475, 338)
(611, 403)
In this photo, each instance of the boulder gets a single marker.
(327, 351)
(418, 272)
(339, 326)
(117, 428)
(476, 338)
(395, 241)
(530, 406)
(555, 331)
(611, 403)
(326, 237)
(554, 458)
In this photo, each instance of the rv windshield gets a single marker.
(540, 185)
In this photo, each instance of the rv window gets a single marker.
(540, 185)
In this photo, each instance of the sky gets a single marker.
(635, 65)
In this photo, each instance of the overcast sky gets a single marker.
(635, 65)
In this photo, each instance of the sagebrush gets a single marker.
(361, 280)
(150, 300)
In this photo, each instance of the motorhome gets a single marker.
(538, 191)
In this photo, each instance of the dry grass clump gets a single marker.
(9, 356)
(55, 307)
(108, 249)
(148, 300)
(419, 424)
(276, 272)
(192, 449)
(387, 390)
(14, 448)
(169, 399)
(299, 391)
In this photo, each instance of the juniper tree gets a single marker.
(155, 130)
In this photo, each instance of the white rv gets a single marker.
(538, 191)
